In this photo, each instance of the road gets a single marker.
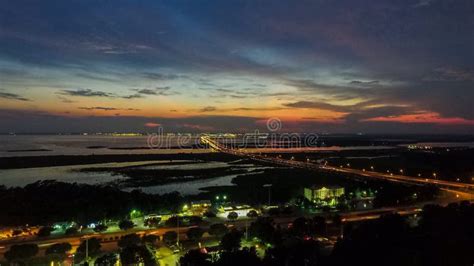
(109, 240)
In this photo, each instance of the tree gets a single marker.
(21, 252)
(106, 259)
(195, 257)
(170, 237)
(318, 225)
(45, 231)
(246, 256)
(274, 212)
(71, 231)
(133, 255)
(194, 234)
(301, 226)
(173, 221)
(231, 240)
(93, 245)
(194, 220)
(209, 214)
(153, 222)
(294, 252)
(100, 228)
(150, 239)
(337, 220)
(58, 251)
(252, 214)
(263, 229)
(218, 230)
(232, 216)
(129, 240)
(126, 225)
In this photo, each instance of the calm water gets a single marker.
(80, 145)
(21, 177)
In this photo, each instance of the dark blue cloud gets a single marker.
(388, 52)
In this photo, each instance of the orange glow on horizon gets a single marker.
(423, 118)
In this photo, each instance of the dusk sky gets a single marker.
(335, 66)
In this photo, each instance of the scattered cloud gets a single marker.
(13, 96)
(450, 74)
(364, 83)
(106, 108)
(95, 77)
(86, 93)
(132, 96)
(208, 109)
(64, 99)
(161, 91)
(161, 76)
(423, 3)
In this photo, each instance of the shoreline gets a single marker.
(20, 162)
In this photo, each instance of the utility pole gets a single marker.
(87, 251)
(269, 186)
(177, 231)
(246, 230)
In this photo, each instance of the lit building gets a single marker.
(314, 194)
(200, 207)
(241, 210)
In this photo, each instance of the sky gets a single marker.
(330, 66)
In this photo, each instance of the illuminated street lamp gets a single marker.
(372, 168)
(135, 213)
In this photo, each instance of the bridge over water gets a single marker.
(462, 190)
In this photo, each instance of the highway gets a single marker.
(451, 186)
